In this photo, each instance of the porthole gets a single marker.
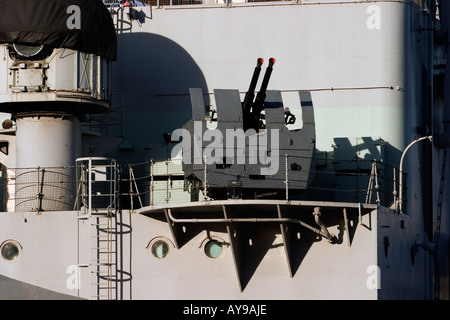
(160, 249)
(213, 249)
(26, 50)
(10, 250)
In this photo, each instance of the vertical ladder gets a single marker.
(103, 264)
(97, 205)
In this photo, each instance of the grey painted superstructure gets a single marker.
(371, 71)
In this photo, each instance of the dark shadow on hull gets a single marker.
(151, 81)
(298, 244)
(344, 174)
(11, 289)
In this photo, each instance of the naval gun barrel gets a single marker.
(260, 97)
(250, 94)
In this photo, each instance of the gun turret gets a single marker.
(251, 117)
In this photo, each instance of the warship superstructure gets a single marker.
(173, 149)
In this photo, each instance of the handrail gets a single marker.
(109, 182)
(399, 200)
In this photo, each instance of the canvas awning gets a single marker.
(84, 25)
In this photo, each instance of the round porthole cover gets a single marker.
(213, 249)
(160, 249)
(10, 250)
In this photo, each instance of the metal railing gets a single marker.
(38, 189)
(163, 182)
(95, 186)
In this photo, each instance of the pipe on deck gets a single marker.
(322, 231)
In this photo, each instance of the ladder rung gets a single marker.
(105, 247)
(103, 288)
(106, 279)
(107, 231)
(106, 252)
(103, 253)
(103, 240)
(101, 283)
(109, 278)
(103, 261)
(104, 227)
(104, 276)
(103, 214)
(102, 264)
